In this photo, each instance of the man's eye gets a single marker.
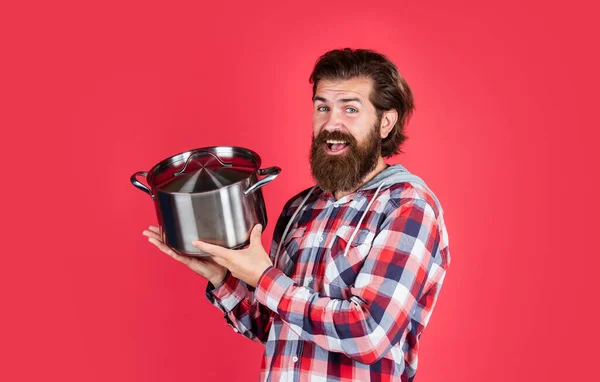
(352, 110)
(322, 108)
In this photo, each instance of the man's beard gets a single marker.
(344, 172)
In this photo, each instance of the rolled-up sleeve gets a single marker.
(241, 310)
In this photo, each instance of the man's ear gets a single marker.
(388, 120)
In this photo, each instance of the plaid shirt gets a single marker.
(332, 309)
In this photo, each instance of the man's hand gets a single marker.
(204, 266)
(246, 264)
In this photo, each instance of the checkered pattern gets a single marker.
(326, 312)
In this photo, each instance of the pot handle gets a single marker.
(270, 172)
(139, 184)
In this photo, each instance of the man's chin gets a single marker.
(334, 178)
(334, 163)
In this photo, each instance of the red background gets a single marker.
(505, 133)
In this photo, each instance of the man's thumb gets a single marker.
(256, 233)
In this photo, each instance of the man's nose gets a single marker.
(334, 121)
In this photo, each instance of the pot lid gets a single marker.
(206, 170)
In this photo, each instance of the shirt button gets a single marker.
(309, 278)
(336, 205)
(320, 239)
(295, 359)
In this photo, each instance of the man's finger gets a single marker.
(255, 235)
(179, 257)
(150, 234)
(212, 249)
(154, 228)
(162, 246)
(169, 251)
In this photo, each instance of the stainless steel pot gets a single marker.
(212, 194)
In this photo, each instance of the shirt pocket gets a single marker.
(344, 259)
(291, 247)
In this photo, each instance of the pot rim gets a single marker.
(169, 160)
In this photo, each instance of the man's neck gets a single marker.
(381, 165)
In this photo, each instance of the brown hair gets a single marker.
(390, 90)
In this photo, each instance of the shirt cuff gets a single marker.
(210, 286)
(271, 287)
(227, 295)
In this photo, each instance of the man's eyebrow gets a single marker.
(342, 100)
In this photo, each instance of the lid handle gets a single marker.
(177, 173)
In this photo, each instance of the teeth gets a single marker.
(334, 142)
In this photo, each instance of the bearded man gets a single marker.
(357, 261)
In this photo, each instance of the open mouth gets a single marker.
(335, 146)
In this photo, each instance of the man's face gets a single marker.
(346, 142)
